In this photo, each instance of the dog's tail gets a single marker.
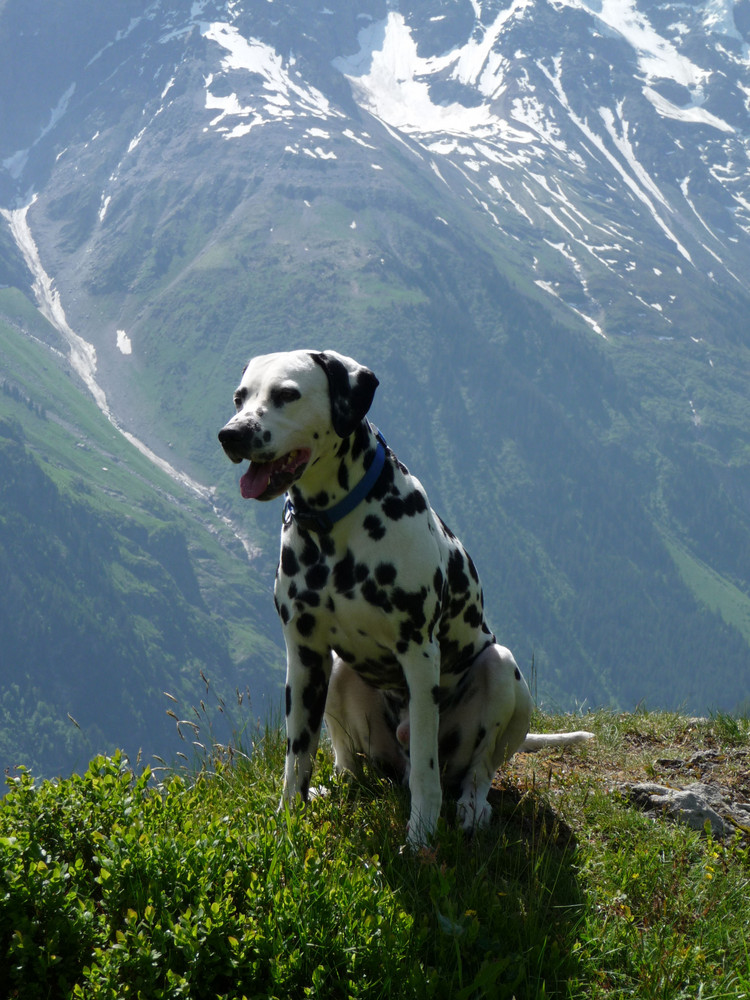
(538, 741)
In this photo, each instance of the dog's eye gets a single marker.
(239, 399)
(284, 395)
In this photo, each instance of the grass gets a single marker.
(185, 882)
(712, 589)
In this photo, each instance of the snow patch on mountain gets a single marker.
(282, 98)
(658, 57)
(389, 78)
(124, 344)
(636, 178)
(82, 354)
(692, 114)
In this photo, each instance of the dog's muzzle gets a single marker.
(267, 476)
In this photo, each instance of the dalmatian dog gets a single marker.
(381, 606)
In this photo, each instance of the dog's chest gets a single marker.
(375, 601)
(351, 595)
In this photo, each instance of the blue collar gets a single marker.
(324, 520)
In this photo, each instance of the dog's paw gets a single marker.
(473, 816)
(421, 828)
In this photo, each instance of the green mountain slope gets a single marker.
(563, 460)
(117, 583)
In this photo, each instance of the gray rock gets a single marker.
(695, 805)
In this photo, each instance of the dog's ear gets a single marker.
(351, 387)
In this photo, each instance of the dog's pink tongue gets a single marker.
(255, 481)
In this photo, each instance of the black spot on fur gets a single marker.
(284, 614)
(446, 530)
(436, 694)
(320, 499)
(517, 674)
(301, 744)
(305, 624)
(310, 658)
(374, 527)
(397, 507)
(343, 476)
(314, 692)
(288, 693)
(281, 396)
(457, 606)
(481, 733)
(374, 595)
(412, 603)
(385, 574)
(384, 484)
(315, 698)
(343, 574)
(310, 552)
(317, 576)
(473, 616)
(458, 581)
(308, 598)
(289, 563)
(410, 633)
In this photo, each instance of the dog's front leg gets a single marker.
(307, 674)
(422, 677)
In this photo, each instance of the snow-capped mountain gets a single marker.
(531, 217)
(607, 141)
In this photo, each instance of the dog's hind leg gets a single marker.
(500, 703)
(360, 724)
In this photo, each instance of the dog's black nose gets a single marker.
(234, 441)
(229, 436)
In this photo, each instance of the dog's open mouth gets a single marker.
(266, 480)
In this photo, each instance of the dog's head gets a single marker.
(289, 408)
